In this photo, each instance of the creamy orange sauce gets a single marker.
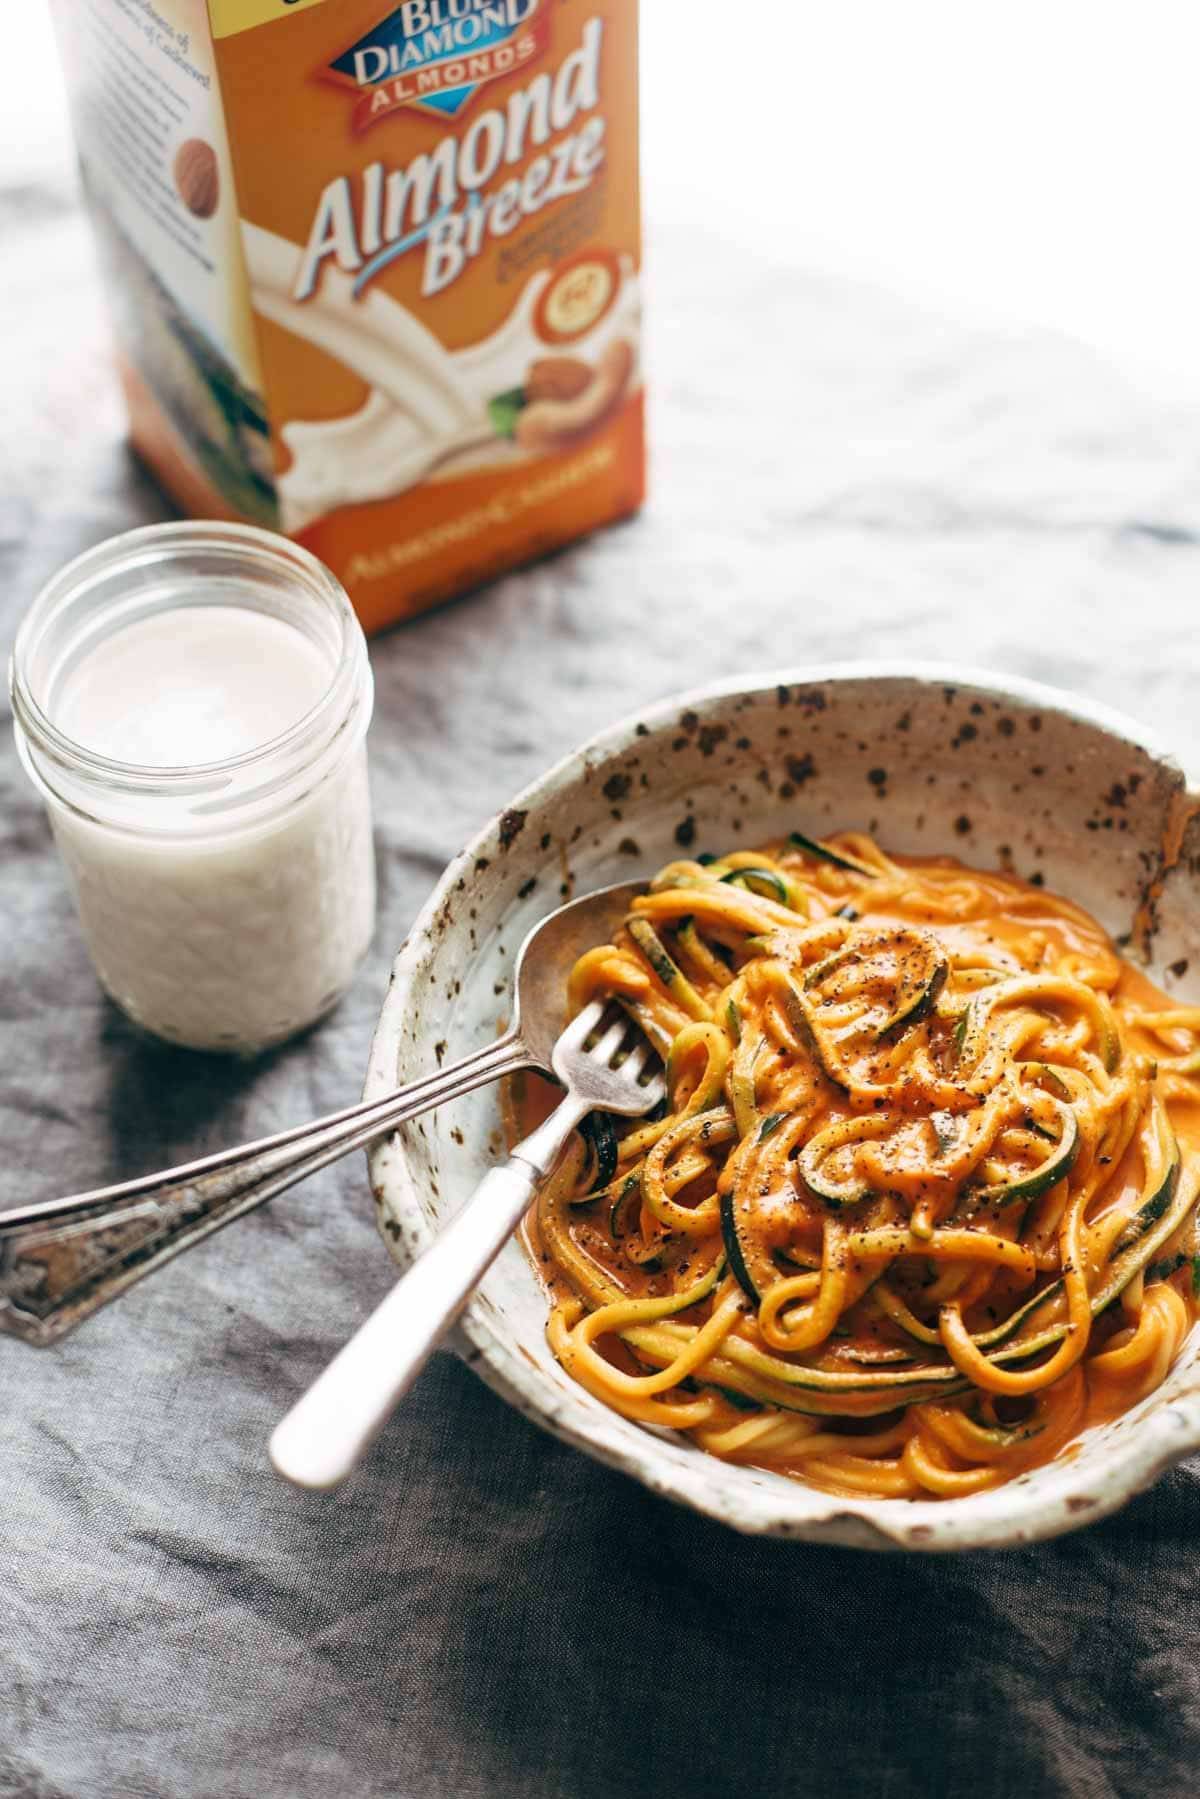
(886, 1135)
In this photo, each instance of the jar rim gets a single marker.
(141, 548)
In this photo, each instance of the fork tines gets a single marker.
(607, 1035)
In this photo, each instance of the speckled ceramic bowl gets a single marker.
(999, 772)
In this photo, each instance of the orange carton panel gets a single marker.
(375, 270)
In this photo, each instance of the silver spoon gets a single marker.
(62, 1259)
(326, 1432)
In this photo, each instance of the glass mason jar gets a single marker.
(226, 903)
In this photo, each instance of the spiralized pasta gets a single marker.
(921, 1202)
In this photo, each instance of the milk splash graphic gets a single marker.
(427, 408)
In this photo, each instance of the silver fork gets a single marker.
(327, 1432)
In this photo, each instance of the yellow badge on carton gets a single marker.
(228, 17)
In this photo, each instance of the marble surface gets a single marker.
(834, 474)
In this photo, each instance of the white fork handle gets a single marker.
(329, 1429)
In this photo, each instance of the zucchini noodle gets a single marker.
(921, 1203)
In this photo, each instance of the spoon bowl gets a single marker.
(547, 956)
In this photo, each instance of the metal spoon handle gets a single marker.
(63, 1259)
(329, 1428)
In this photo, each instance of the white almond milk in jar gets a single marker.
(192, 702)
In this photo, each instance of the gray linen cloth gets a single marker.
(484, 1612)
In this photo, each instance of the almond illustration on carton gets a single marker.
(197, 178)
(557, 378)
(551, 424)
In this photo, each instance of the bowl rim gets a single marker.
(1166, 1434)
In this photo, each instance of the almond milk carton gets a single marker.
(375, 269)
